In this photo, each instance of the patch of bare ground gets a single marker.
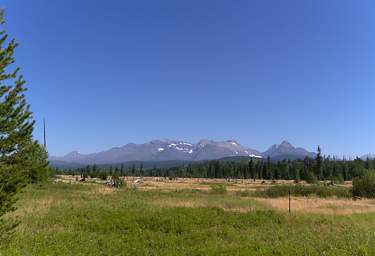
(320, 205)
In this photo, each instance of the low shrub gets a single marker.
(218, 189)
(116, 181)
(364, 186)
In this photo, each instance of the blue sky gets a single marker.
(105, 73)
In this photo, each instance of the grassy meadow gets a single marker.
(92, 219)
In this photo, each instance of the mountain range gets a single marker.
(175, 150)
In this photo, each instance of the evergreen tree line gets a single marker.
(320, 168)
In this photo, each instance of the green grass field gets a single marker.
(90, 219)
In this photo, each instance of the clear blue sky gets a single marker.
(105, 73)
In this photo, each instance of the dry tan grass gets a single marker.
(103, 190)
(321, 205)
(299, 204)
(197, 203)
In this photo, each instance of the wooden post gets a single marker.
(289, 203)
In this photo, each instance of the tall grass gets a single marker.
(304, 190)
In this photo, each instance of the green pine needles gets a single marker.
(22, 159)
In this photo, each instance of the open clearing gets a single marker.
(159, 217)
(299, 204)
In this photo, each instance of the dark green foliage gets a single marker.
(364, 186)
(303, 190)
(103, 175)
(319, 164)
(37, 161)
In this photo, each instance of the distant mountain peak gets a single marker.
(285, 150)
(73, 154)
(286, 143)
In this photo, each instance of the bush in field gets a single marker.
(103, 175)
(303, 190)
(364, 186)
(116, 181)
(218, 189)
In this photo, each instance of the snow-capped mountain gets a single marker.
(285, 150)
(162, 150)
(209, 149)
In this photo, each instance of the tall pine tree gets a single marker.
(21, 158)
(319, 164)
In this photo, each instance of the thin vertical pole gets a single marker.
(289, 203)
(44, 133)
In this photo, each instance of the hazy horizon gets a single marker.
(254, 71)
